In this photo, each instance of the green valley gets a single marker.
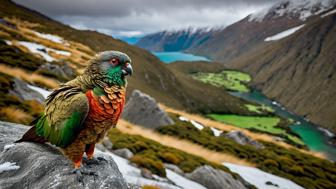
(231, 80)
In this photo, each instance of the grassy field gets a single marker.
(259, 123)
(231, 80)
(258, 108)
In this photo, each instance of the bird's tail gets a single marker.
(31, 135)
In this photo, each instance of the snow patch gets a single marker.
(182, 181)
(329, 13)
(284, 33)
(43, 92)
(8, 42)
(259, 178)
(8, 166)
(133, 175)
(294, 8)
(183, 118)
(50, 37)
(216, 132)
(197, 125)
(8, 146)
(43, 50)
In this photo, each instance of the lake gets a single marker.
(311, 135)
(169, 57)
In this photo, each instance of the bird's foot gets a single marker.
(80, 172)
(95, 161)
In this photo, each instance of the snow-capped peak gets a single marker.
(301, 9)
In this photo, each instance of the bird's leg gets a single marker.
(89, 150)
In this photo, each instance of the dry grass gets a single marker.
(32, 78)
(180, 144)
(15, 115)
(80, 54)
(150, 187)
(225, 127)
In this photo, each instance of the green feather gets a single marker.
(114, 76)
(98, 91)
(41, 124)
(71, 129)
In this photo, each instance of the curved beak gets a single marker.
(127, 69)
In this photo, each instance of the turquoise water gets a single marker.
(314, 138)
(169, 57)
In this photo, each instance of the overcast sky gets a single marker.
(139, 17)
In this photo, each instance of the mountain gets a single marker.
(227, 43)
(151, 75)
(176, 40)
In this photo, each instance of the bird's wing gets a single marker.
(65, 113)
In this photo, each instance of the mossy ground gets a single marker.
(230, 80)
(151, 155)
(303, 169)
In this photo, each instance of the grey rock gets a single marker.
(124, 152)
(22, 91)
(63, 72)
(214, 178)
(174, 168)
(242, 139)
(107, 143)
(142, 109)
(101, 147)
(146, 173)
(43, 166)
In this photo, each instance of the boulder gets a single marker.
(145, 173)
(174, 168)
(22, 91)
(44, 166)
(242, 139)
(124, 152)
(107, 143)
(143, 110)
(62, 72)
(214, 178)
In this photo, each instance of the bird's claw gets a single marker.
(80, 172)
(95, 161)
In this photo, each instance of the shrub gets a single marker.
(155, 167)
(170, 158)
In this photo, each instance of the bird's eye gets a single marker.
(114, 61)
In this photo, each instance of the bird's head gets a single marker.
(111, 67)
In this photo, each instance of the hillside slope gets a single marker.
(299, 71)
(151, 75)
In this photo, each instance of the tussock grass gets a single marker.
(80, 54)
(180, 144)
(15, 115)
(32, 78)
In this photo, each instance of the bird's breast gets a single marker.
(107, 106)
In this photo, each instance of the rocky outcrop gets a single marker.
(43, 166)
(124, 152)
(242, 139)
(62, 72)
(142, 109)
(22, 91)
(214, 178)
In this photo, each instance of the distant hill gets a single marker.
(151, 75)
(299, 70)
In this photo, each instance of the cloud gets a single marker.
(139, 17)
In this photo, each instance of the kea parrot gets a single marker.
(79, 113)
